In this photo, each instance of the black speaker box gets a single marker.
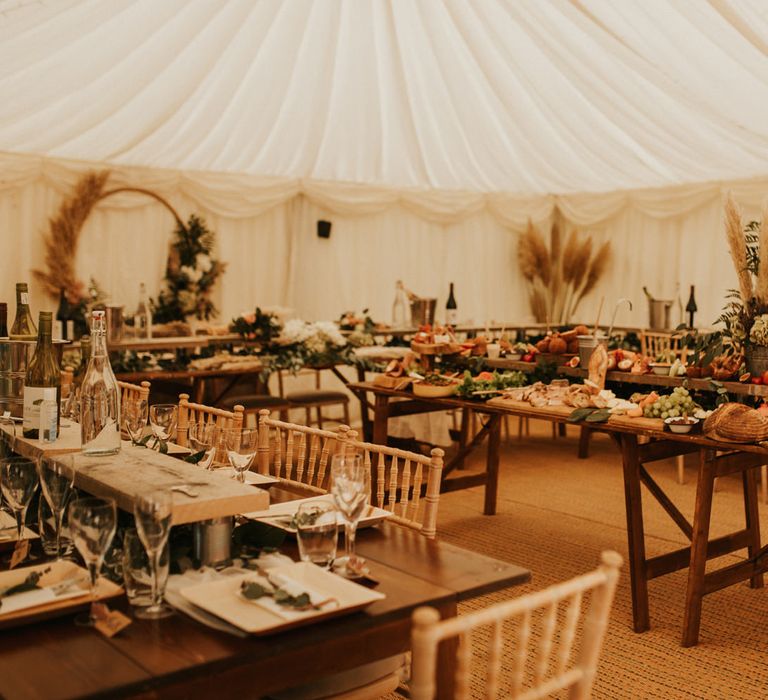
(323, 229)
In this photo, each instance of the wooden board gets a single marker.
(137, 471)
(654, 424)
(68, 441)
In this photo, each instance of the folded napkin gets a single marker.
(294, 588)
(193, 577)
(33, 599)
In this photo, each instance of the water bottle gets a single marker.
(99, 397)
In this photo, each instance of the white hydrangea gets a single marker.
(329, 332)
(191, 274)
(203, 262)
(759, 332)
(295, 331)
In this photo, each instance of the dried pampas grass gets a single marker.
(597, 268)
(761, 287)
(738, 247)
(558, 278)
(61, 241)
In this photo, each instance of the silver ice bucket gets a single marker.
(423, 311)
(15, 356)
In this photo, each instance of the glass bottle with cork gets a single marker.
(42, 387)
(23, 327)
(99, 396)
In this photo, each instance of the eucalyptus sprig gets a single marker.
(253, 590)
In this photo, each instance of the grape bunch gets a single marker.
(678, 403)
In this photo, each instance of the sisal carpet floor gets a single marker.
(555, 515)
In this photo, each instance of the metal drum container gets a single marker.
(212, 542)
(15, 356)
(423, 311)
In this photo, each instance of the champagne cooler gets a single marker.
(14, 359)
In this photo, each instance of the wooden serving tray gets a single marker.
(565, 411)
(436, 348)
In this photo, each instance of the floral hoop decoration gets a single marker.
(191, 271)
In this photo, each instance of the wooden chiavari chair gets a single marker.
(556, 639)
(133, 392)
(191, 413)
(400, 475)
(299, 455)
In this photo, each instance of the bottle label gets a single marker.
(48, 429)
(33, 400)
(24, 298)
(451, 317)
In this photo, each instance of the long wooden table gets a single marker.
(180, 658)
(640, 441)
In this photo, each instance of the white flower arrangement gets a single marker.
(758, 335)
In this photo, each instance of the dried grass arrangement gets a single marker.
(63, 236)
(559, 277)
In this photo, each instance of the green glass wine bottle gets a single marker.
(23, 327)
(42, 387)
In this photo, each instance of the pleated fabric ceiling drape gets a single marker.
(430, 132)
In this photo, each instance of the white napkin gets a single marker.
(32, 599)
(294, 588)
(193, 577)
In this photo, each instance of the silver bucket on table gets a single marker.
(423, 311)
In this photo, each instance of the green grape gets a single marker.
(665, 414)
(674, 413)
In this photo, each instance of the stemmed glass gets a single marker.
(93, 522)
(18, 481)
(349, 486)
(153, 523)
(163, 418)
(206, 438)
(7, 436)
(241, 445)
(57, 478)
(134, 413)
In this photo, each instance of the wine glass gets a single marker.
(153, 515)
(241, 445)
(93, 522)
(162, 419)
(18, 481)
(349, 486)
(206, 438)
(57, 479)
(7, 436)
(134, 414)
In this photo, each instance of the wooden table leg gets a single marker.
(752, 520)
(380, 419)
(466, 417)
(584, 435)
(492, 464)
(446, 656)
(635, 533)
(694, 593)
(364, 415)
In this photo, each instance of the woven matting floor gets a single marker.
(555, 515)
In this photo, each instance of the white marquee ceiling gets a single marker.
(526, 96)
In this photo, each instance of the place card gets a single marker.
(20, 553)
(109, 622)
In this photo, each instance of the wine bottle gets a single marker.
(691, 307)
(142, 320)
(63, 314)
(451, 309)
(3, 319)
(400, 313)
(99, 396)
(23, 327)
(42, 387)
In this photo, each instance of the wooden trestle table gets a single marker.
(180, 658)
(640, 441)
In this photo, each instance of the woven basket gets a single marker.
(735, 422)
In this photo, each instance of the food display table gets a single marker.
(178, 657)
(640, 442)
